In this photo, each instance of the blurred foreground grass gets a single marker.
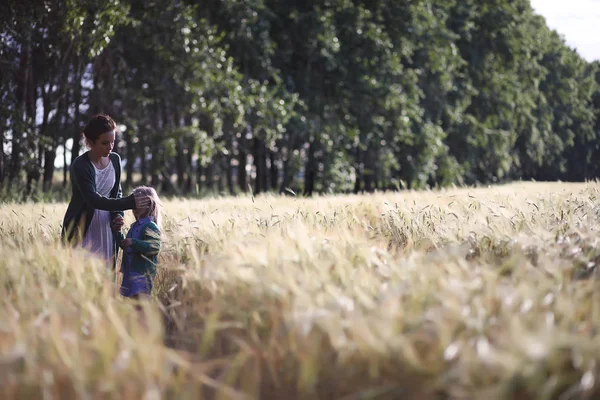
(464, 293)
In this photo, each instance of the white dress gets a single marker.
(99, 238)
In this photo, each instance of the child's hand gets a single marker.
(126, 243)
(117, 223)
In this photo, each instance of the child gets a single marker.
(141, 247)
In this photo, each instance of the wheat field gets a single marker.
(486, 293)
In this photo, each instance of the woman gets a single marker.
(96, 207)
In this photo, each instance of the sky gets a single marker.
(577, 20)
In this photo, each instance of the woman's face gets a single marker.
(104, 144)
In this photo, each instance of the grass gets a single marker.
(462, 293)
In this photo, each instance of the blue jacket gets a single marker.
(142, 255)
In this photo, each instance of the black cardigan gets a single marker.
(85, 200)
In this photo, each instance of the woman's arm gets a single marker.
(86, 184)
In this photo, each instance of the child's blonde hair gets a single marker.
(153, 209)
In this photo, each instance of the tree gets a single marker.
(323, 96)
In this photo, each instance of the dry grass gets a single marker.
(465, 293)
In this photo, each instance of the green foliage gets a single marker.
(343, 94)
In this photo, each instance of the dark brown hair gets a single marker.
(97, 125)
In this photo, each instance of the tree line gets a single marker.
(305, 96)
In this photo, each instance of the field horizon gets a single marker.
(453, 293)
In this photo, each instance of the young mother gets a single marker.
(96, 207)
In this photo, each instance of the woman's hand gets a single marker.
(117, 223)
(142, 200)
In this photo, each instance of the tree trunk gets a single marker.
(180, 163)
(180, 148)
(264, 176)
(378, 172)
(358, 171)
(219, 174)
(255, 158)
(143, 161)
(31, 103)
(241, 173)
(33, 172)
(76, 136)
(369, 171)
(165, 166)
(33, 176)
(62, 116)
(226, 168)
(3, 156)
(287, 174)
(65, 165)
(310, 170)
(50, 148)
(76, 147)
(190, 154)
(274, 171)
(209, 181)
(130, 154)
(181, 160)
(2, 129)
(155, 164)
(49, 158)
(45, 121)
(229, 175)
(189, 143)
(20, 112)
(260, 162)
(199, 172)
(206, 123)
